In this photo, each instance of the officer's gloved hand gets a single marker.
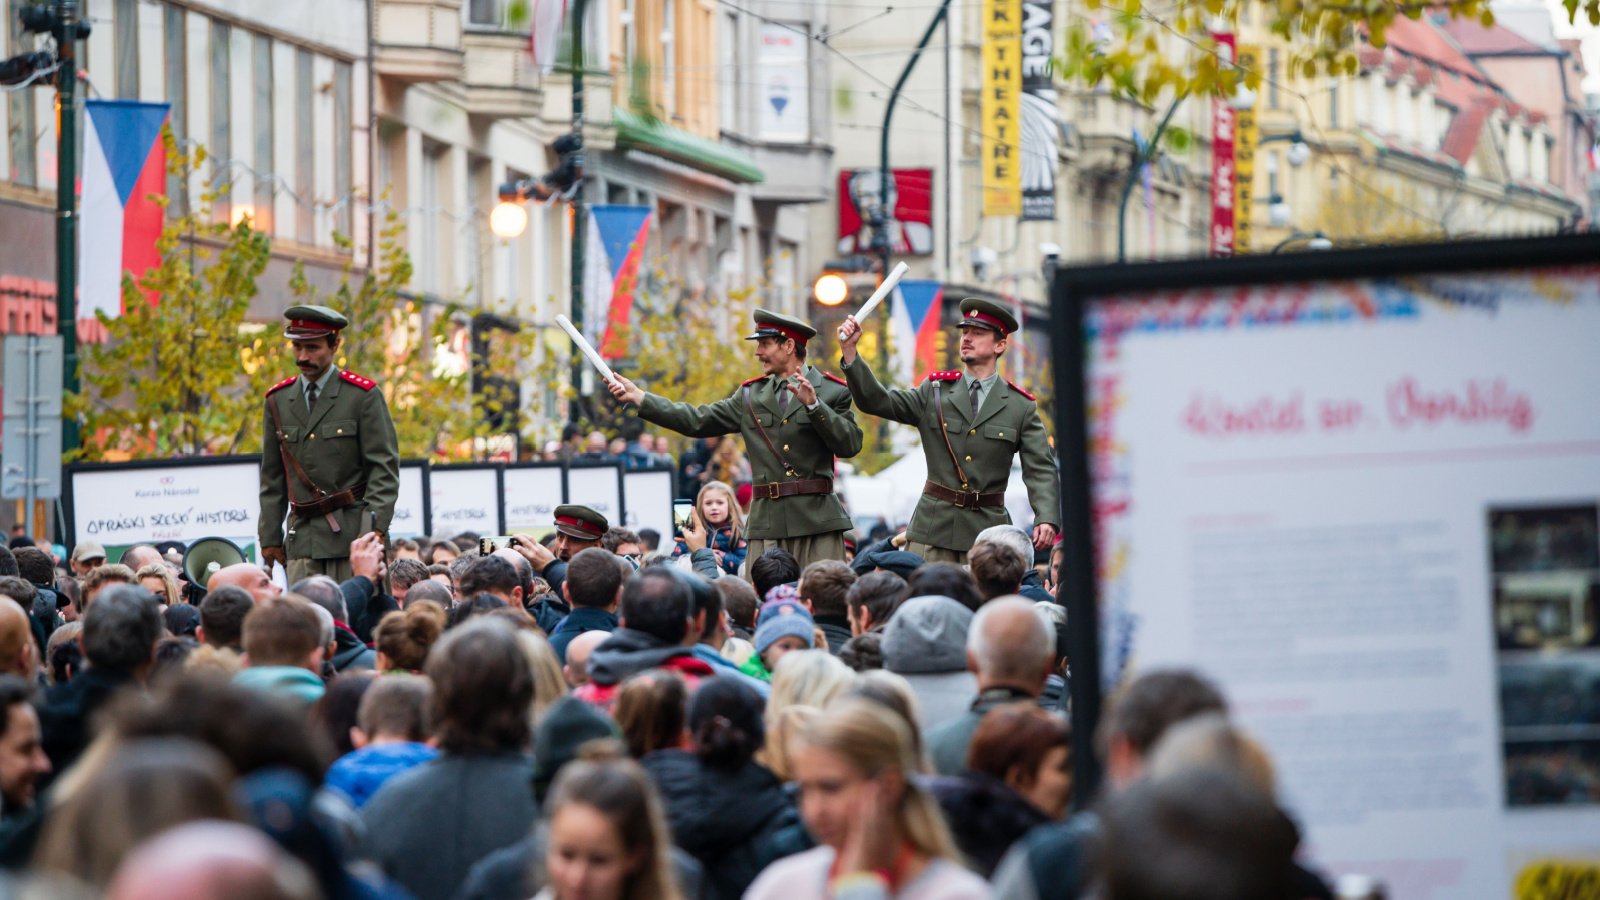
(270, 555)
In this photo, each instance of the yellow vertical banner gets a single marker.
(1246, 135)
(1000, 107)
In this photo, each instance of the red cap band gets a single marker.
(790, 333)
(580, 524)
(978, 315)
(310, 326)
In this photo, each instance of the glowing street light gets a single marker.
(508, 220)
(831, 289)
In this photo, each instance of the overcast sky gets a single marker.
(1591, 42)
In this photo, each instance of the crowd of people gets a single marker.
(661, 722)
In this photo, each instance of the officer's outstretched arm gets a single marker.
(710, 420)
(894, 404)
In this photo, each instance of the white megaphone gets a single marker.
(208, 556)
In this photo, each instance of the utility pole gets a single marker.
(67, 35)
(880, 224)
(580, 214)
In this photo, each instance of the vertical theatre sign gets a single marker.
(1040, 155)
(1222, 174)
(1246, 135)
(1000, 107)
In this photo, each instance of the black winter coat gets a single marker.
(985, 816)
(723, 819)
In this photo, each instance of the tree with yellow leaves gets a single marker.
(1120, 44)
(172, 379)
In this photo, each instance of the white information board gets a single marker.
(1370, 510)
(598, 487)
(122, 505)
(464, 499)
(532, 494)
(409, 520)
(649, 495)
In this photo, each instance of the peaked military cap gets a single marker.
(771, 325)
(981, 313)
(311, 322)
(581, 522)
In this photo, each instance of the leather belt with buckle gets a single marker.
(963, 499)
(772, 490)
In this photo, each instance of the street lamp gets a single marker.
(880, 227)
(831, 289)
(1278, 211)
(1315, 240)
(508, 220)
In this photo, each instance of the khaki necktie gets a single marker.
(977, 397)
(311, 397)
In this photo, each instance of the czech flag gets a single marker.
(124, 163)
(616, 248)
(919, 338)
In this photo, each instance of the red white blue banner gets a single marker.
(617, 237)
(919, 339)
(124, 171)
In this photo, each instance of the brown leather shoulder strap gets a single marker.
(944, 432)
(749, 405)
(289, 462)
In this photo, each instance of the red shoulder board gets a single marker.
(281, 385)
(366, 384)
(754, 380)
(1021, 391)
(832, 377)
(944, 376)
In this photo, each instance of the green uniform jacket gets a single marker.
(1007, 424)
(348, 440)
(810, 439)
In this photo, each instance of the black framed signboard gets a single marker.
(1360, 490)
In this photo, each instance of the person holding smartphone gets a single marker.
(577, 529)
(719, 510)
(795, 421)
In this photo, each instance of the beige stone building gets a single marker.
(1423, 142)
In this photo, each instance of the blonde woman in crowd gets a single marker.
(880, 835)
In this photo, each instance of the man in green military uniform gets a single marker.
(972, 424)
(330, 461)
(795, 420)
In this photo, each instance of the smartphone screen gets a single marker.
(680, 515)
(488, 545)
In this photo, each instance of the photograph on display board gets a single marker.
(1546, 610)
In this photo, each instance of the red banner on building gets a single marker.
(1222, 179)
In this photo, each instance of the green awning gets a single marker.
(656, 136)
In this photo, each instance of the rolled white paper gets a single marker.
(882, 292)
(585, 346)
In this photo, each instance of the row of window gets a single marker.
(260, 106)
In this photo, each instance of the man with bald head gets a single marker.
(1011, 652)
(17, 655)
(140, 555)
(577, 667)
(246, 575)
